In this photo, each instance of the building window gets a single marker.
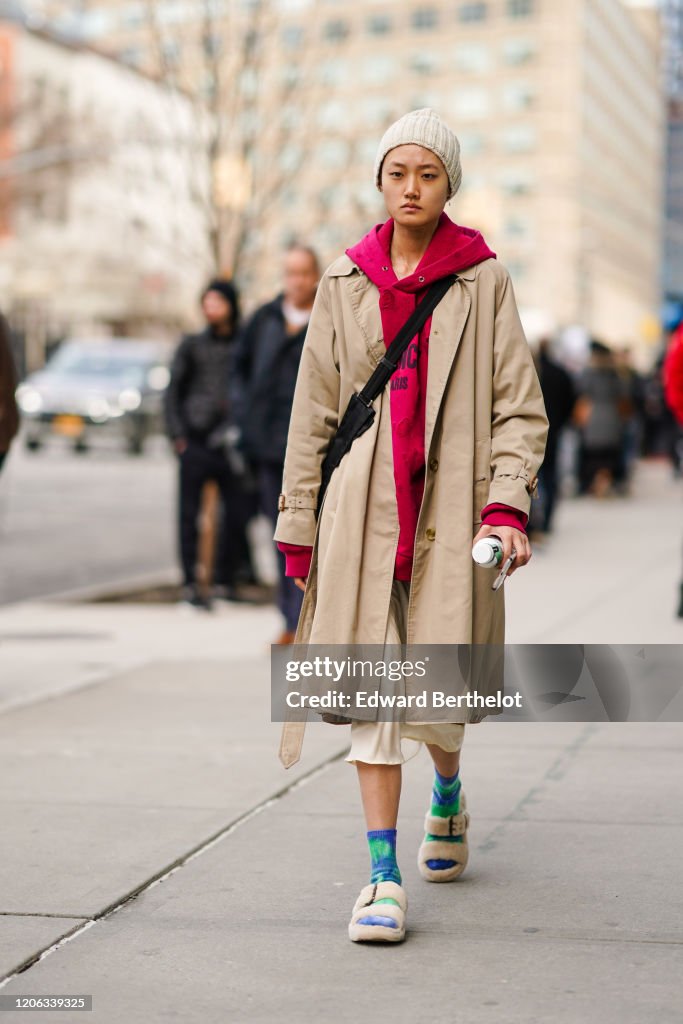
(520, 8)
(292, 36)
(516, 269)
(290, 157)
(333, 72)
(379, 70)
(518, 51)
(474, 59)
(379, 24)
(366, 150)
(425, 18)
(471, 143)
(519, 139)
(331, 114)
(290, 77)
(517, 182)
(518, 96)
(471, 104)
(334, 153)
(517, 227)
(472, 12)
(424, 63)
(378, 111)
(335, 31)
(211, 44)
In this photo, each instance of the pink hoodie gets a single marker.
(452, 248)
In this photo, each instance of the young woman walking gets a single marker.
(453, 452)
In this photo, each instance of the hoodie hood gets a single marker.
(451, 249)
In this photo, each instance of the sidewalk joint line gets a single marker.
(176, 865)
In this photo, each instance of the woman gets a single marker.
(456, 443)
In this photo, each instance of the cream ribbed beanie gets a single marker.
(425, 128)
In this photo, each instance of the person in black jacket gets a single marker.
(9, 414)
(266, 367)
(198, 412)
(559, 396)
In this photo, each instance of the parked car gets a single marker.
(90, 388)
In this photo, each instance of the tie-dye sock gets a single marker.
(445, 801)
(382, 843)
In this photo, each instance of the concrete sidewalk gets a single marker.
(157, 856)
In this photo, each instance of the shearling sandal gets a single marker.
(379, 922)
(441, 849)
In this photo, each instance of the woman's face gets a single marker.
(414, 184)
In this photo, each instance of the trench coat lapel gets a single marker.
(364, 297)
(448, 323)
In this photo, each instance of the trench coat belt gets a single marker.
(291, 742)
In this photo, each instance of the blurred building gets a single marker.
(673, 250)
(559, 107)
(103, 191)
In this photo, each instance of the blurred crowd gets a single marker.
(228, 403)
(607, 415)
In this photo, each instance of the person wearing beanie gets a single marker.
(451, 457)
(197, 410)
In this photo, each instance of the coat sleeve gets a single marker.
(519, 425)
(242, 362)
(312, 425)
(180, 370)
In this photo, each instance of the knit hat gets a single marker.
(229, 292)
(425, 128)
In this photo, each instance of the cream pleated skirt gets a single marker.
(397, 742)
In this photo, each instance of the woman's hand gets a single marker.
(511, 538)
(300, 582)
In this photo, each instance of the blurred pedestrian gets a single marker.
(633, 408)
(559, 395)
(672, 381)
(198, 419)
(267, 362)
(9, 414)
(660, 430)
(599, 414)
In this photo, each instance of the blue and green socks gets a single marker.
(383, 868)
(445, 801)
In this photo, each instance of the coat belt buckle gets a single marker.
(281, 502)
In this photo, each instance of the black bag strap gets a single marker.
(413, 325)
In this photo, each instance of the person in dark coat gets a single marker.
(605, 404)
(559, 396)
(266, 367)
(198, 413)
(9, 414)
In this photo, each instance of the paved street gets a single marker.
(69, 521)
(158, 857)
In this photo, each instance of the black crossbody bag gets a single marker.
(359, 412)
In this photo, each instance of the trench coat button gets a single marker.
(433, 464)
(430, 533)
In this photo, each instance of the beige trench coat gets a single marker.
(485, 435)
